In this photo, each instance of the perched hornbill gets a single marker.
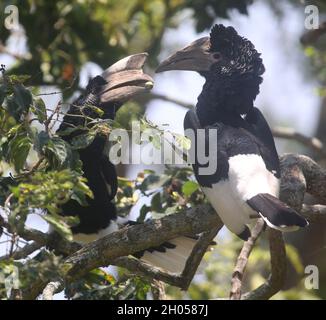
(115, 86)
(246, 181)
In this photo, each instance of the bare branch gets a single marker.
(197, 255)
(158, 290)
(51, 289)
(278, 132)
(146, 270)
(23, 253)
(237, 276)
(278, 269)
(311, 142)
(158, 96)
(139, 237)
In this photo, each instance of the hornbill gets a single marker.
(117, 84)
(246, 181)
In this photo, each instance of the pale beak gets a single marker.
(126, 79)
(195, 57)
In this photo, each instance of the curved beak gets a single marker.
(194, 57)
(125, 79)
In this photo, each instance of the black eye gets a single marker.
(217, 56)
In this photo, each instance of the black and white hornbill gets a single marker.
(246, 181)
(117, 84)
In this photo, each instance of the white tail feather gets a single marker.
(172, 260)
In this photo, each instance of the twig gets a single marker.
(22, 253)
(278, 269)
(158, 96)
(158, 290)
(49, 119)
(147, 270)
(311, 142)
(197, 254)
(278, 132)
(51, 289)
(237, 276)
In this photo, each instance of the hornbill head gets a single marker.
(224, 52)
(125, 79)
(229, 62)
(117, 84)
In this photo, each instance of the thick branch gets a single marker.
(139, 237)
(301, 174)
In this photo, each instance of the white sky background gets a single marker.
(287, 96)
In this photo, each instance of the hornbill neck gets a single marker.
(226, 99)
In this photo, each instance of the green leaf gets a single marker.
(18, 149)
(156, 141)
(18, 78)
(59, 225)
(189, 188)
(23, 97)
(40, 110)
(182, 141)
(156, 203)
(82, 141)
(59, 153)
(19, 102)
(154, 181)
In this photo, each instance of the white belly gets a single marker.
(248, 176)
(83, 238)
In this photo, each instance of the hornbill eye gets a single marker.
(217, 56)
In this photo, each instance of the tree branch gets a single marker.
(237, 276)
(23, 252)
(51, 289)
(278, 269)
(139, 237)
(299, 174)
(278, 132)
(311, 142)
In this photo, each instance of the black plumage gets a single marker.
(108, 92)
(246, 180)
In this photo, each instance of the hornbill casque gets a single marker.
(246, 181)
(109, 91)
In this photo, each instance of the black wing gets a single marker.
(261, 130)
(239, 137)
(191, 126)
(110, 176)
